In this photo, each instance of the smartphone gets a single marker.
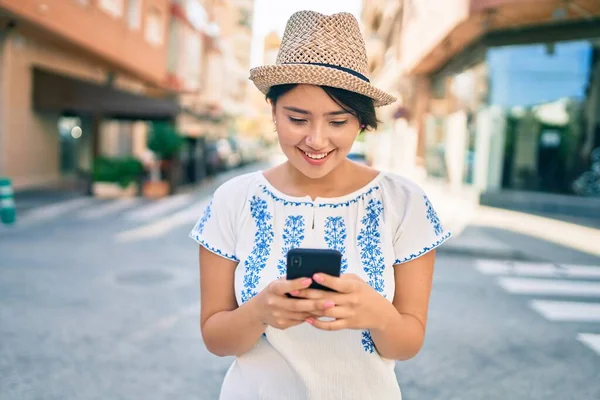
(307, 262)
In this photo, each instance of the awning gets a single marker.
(62, 94)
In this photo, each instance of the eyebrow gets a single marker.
(301, 111)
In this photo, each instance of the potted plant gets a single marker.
(165, 142)
(116, 177)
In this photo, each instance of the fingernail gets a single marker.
(318, 278)
(309, 321)
(307, 281)
(295, 293)
(329, 304)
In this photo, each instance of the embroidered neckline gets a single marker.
(321, 202)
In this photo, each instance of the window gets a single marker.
(154, 27)
(134, 14)
(112, 7)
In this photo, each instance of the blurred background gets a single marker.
(119, 118)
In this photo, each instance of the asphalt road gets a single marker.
(99, 300)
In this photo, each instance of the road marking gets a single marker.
(547, 270)
(583, 271)
(567, 310)
(164, 225)
(550, 287)
(112, 206)
(591, 340)
(160, 207)
(45, 213)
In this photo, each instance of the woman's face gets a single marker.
(315, 133)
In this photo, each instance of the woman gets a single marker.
(383, 224)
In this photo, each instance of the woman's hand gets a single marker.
(354, 305)
(275, 309)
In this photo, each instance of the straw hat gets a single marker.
(324, 50)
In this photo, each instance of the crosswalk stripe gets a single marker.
(45, 213)
(583, 271)
(107, 209)
(160, 207)
(548, 270)
(592, 340)
(162, 226)
(567, 310)
(550, 287)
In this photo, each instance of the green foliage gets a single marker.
(117, 170)
(164, 140)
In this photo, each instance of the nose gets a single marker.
(316, 139)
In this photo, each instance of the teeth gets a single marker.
(316, 156)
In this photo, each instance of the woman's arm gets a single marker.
(226, 328)
(229, 330)
(397, 328)
(402, 332)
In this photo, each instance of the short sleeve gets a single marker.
(215, 230)
(420, 229)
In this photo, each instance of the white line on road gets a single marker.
(109, 208)
(550, 287)
(548, 270)
(567, 310)
(591, 340)
(164, 225)
(45, 213)
(160, 207)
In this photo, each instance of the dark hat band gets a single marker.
(348, 70)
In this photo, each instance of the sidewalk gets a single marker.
(488, 232)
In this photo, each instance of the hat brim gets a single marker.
(270, 75)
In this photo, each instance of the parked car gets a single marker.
(212, 158)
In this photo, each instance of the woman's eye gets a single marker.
(297, 121)
(339, 123)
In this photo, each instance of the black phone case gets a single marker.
(312, 261)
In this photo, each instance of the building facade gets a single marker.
(76, 78)
(502, 94)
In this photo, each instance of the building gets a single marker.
(94, 64)
(193, 44)
(502, 93)
(260, 123)
(393, 146)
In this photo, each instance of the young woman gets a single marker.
(317, 344)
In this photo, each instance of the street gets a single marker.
(99, 300)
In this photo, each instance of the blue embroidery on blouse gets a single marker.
(263, 238)
(310, 204)
(335, 237)
(367, 342)
(369, 240)
(285, 202)
(349, 202)
(198, 230)
(433, 217)
(215, 250)
(204, 219)
(293, 235)
(423, 250)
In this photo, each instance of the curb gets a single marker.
(515, 255)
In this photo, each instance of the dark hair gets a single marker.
(359, 105)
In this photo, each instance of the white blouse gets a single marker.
(377, 228)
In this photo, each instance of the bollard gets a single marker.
(8, 214)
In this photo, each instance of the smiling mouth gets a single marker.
(316, 156)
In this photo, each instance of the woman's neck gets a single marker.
(331, 184)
